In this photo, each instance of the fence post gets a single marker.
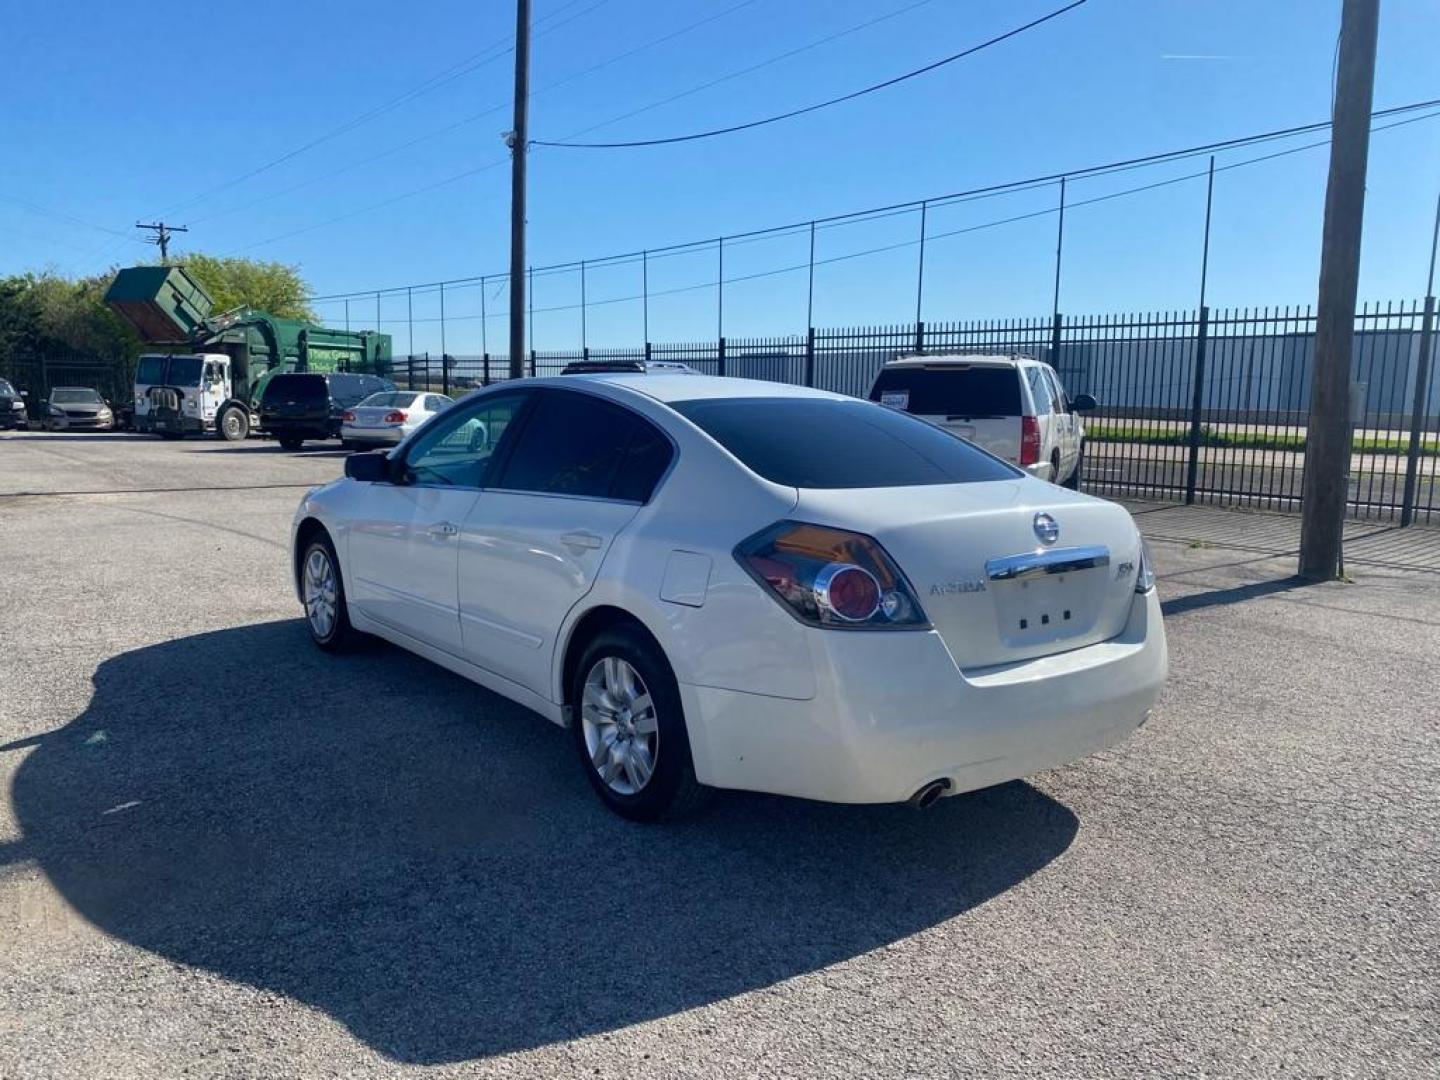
(445, 361)
(532, 363)
(919, 336)
(1417, 415)
(720, 357)
(1197, 399)
(810, 357)
(409, 371)
(647, 353)
(485, 369)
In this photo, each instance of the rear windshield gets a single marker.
(390, 400)
(950, 391)
(297, 388)
(822, 443)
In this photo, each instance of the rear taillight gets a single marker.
(1029, 440)
(348, 416)
(831, 577)
(395, 417)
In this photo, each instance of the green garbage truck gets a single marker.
(208, 371)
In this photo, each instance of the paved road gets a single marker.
(224, 854)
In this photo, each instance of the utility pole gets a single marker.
(161, 239)
(517, 140)
(1328, 431)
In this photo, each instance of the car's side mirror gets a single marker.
(1084, 403)
(371, 467)
(24, 393)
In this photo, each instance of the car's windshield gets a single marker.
(830, 443)
(950, 390)
(7, 389)
(75, 397)
(389, 400)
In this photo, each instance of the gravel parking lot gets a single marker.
(223, 853)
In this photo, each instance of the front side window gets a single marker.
(829, 443)
(458, 449)
(576, 444)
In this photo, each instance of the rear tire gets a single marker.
(323, 593)
(1073, 481)
(630, 721)
(290, 442)
(233, 424)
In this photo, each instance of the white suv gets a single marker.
(1014, 406)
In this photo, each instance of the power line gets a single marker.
(711, 133)
(752, 68)
(880, 249)
(874, 213)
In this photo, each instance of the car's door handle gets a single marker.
(581, 540)
(443, 530)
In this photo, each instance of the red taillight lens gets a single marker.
(1029, 440)
(347, 417)
(831, 577)
(395, 417)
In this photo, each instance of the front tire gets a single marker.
(233, 425)
(323, 592)
(630, 730)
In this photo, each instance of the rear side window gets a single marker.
(952, 390)
(575, 444)
(1039, 391)
(822, 443)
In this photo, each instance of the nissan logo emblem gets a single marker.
(1047, 529)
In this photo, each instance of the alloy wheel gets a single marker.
(621, 731)
(321, 593)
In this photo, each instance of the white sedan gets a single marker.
(727, 583)
(386, 418)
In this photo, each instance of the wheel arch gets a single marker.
(584, 626)
(305, 532)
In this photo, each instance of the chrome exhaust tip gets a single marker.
(928, 795)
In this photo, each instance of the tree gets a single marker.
(265, 286)
(56, 315)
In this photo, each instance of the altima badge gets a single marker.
(1047, 529)
(947, 588)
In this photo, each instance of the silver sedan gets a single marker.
(384, 419)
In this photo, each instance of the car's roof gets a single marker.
(673, 388)
(963, 359)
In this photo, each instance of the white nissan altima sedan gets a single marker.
(726, 583)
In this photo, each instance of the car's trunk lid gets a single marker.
(994, 590)
(373, 416)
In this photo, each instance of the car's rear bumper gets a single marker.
(307, 428)
(893, 713)
(374, 436)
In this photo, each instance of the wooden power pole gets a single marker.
(1328, 432)
(518, 139)
(161, 239)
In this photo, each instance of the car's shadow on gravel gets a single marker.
(424, 862)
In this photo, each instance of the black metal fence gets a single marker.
(36, 375)
(1202, 406)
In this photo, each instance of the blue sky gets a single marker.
(129, 110)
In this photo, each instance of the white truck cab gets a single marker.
(1014, 406)
(181, 393)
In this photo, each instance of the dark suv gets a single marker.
(308, 405)
(12, 406)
